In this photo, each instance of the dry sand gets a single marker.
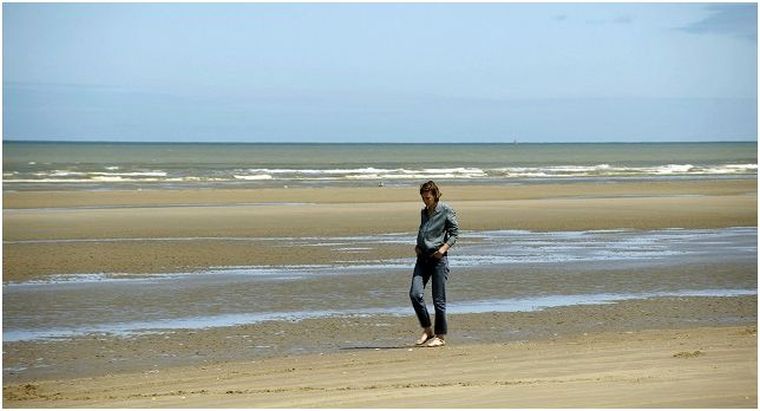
(698, 367)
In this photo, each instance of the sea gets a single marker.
(114, 166)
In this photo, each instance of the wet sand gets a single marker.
(342, 195)
(165, 216)
(102, 355)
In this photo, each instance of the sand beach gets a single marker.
(656, 350)
(695, 367)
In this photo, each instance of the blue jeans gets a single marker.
(425, 269)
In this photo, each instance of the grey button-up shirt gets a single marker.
(436, 229)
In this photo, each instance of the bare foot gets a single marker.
(426, 336)
(436, 342)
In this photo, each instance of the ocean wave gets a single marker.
(132, 174)
(67, 173)
(254, 177)
(114, 178)
(342, 171)
(372, 173)
(609, 170)
(118, 175)
(97, 179)
(367, 173)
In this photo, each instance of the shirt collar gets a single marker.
(437, 209)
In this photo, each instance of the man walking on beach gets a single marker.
(438, 232)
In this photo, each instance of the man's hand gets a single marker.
(441, 251)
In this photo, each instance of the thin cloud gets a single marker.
(738, 20)
(623, 19)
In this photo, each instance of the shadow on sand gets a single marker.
(379, 347)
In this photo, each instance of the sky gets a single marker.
(394, 72)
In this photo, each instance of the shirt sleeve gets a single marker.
(452, 227)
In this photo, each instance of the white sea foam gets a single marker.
(132, 174)
(673, 169)
(731, 169)
(368, 170)
(115, 174)
(371, 173)
(254, 177)
(63, 173)
(613, 170)
(68, 173)
(82, 180)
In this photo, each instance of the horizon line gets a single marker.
(516, 142)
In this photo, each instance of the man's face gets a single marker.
(428, 199)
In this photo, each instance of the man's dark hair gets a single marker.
(431, 187)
